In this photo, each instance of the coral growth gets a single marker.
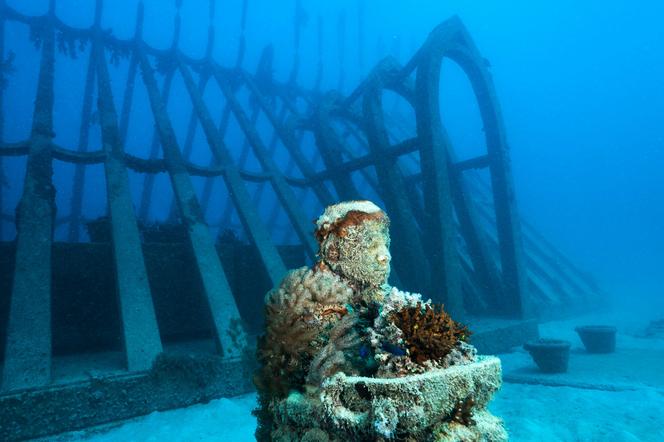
(429, 334)
(410, 406)
(396, 355)
(297, 315)
(347, 357)
(463, 412)
(332, 358)
(337, 219)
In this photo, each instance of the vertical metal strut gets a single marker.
(148, 186)
(128, 96)
(141, 338)
(289, 140)
(409, 256)
(439, 227)
(515, 286)
(238, 193)
(229, 333)
(83, 138)
(281, 187)
(3, 81)
(28, 351)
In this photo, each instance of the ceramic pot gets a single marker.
(598, 338)
(550, 355)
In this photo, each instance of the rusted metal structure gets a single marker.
(456, 237)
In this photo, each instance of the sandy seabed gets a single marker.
(615, 397)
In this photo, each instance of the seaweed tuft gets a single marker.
(429, 332)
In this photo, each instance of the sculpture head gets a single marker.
(354, 242)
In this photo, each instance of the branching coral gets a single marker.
(332, 358)
(429, 334)
(387, 340)
(297, 313)
(284, 355)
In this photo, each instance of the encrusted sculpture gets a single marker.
(347, 357)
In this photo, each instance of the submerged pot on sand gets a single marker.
(550, 355)
(598, 338)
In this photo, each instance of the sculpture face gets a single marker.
(362, 254)
(354, 243)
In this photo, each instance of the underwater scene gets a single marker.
(330, 221)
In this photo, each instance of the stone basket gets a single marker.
(417, 404)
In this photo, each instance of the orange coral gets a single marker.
(429, 334)
(339, 310)
(297, 313)
(351, 219)
(284, 355)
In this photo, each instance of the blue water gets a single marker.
(580, 85)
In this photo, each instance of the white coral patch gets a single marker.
(338, 211)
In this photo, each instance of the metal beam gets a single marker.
(486, 273)
(28, 350)
(281, 187)
(507, 216)
(242, 163)
(440, 229)
(128, 97)
(188, 148)
(141, 338)
(229, 333)
(330, 148)
(289, 141)
(148, 186)
(207, 187)
(409, 257)
(83, 138)
(3, 83)
(148, 183)
(255, 229)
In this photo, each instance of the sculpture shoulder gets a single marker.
(306, 285)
